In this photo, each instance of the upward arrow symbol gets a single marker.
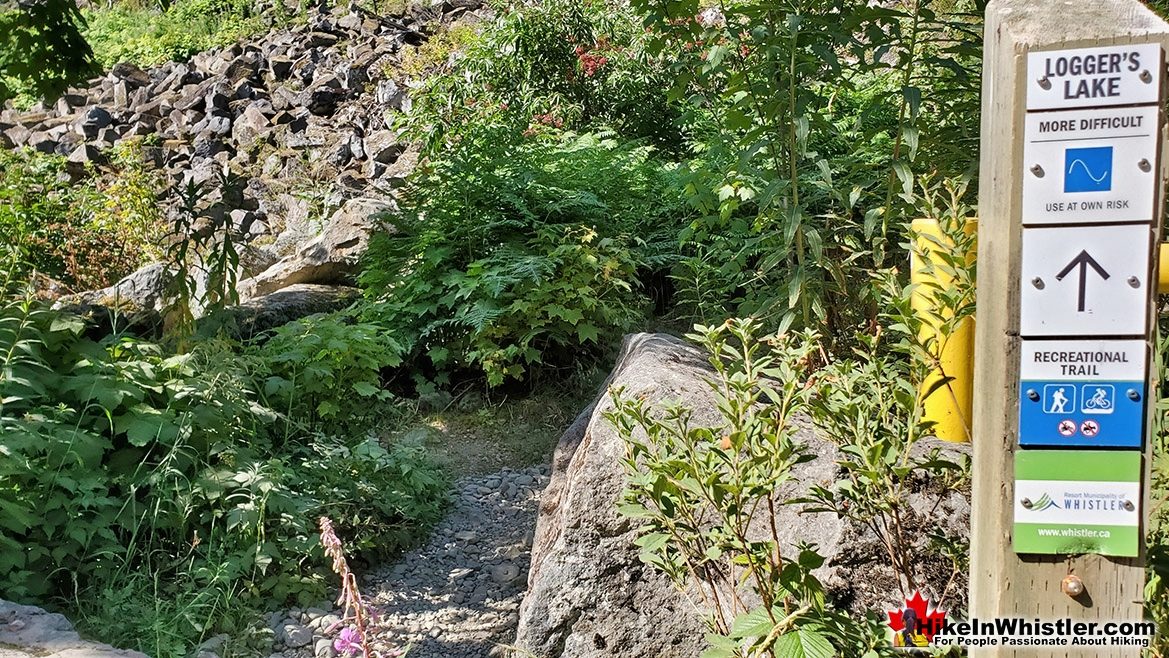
(1083, 261)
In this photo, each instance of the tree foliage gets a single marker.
(42, 49)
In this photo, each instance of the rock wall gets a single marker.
(590, 596)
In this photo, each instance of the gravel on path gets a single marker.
(457, 595)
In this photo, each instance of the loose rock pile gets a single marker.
(322, 91)
(457, 596)
(302, 117)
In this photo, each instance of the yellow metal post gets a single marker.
(1163, 268)
(948, 405)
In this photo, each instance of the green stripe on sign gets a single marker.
(1058, 538)
(1078, 465)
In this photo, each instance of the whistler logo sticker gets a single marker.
(1044, 502)
(916, 624)
(1082, 501)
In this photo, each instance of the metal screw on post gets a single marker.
(1032, 395)
(1133, 394)
(1072, 585)
(1146, 77)
(1145, 165)
(1038, 283)
(1133, 281)
(1044, 82)
(1037, 170)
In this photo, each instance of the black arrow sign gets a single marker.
(1083, 260)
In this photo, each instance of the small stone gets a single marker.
(94, 119)
(213, 643)
(323, 648)
(279, 67)
(382, 146)
(390, 94)
(466, 535)
(327, 622)
(524, 480)
(505, 573)
(83, 154)
(459, 574)
(296, 635)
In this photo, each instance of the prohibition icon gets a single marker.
(1090, 428)
(1067, 427)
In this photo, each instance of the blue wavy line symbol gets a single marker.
(1088, 169)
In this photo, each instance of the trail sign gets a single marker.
(1082, 393)
(1094, 77)
(1078, 501)
(1071, 199)
(1085, 281)
(1090, 166)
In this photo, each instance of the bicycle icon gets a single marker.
(1097, 398)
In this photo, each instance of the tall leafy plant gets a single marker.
(701, 493)
(800, 164)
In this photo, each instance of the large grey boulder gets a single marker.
(28, 631)
(135, 303)
(332, 257)
(276, 309)
(589, 594)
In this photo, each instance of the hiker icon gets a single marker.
(1059, 399)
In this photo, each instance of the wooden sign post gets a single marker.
(1070, 205)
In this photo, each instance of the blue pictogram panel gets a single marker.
(1088, 169)
(1107, 414)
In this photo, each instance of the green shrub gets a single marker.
(698, 494)
(88, 233)
(326, 368)
(564, 63)
(148, 36)
(127, 470)
(809, 120)
(513, 254)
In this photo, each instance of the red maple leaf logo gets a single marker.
(929, 619)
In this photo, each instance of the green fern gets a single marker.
(513, 254)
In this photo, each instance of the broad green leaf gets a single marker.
(365, 389)
(803, 643)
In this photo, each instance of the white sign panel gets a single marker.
(1077, 502)
(1085, 281)
(1083, 360)
(1094, 77)
(1087, 166)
